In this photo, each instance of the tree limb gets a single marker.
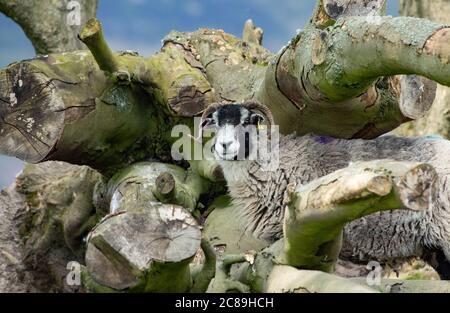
(134, 186)
(289, 279)
(408, 286)
(203, 276)
(147, 250)
(92, 36)
(347, 58)
(52, 26)
(318, 211)
(436, 121)
(251, 33)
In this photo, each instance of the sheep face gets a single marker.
(236, 129)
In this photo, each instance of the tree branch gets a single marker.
(318, 211)
(206, 272)
(92, 36)
(437, 119)
(134, 186)
(52, 26)
(340, 67)
(251, 33)
(350, 56)
(408, 286)
(289, 279)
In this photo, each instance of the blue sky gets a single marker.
(141, 24)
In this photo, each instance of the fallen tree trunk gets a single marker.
(76, 100)
(51, 112)
(109, 110)
(147, 251)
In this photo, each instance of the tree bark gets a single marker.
(437, 121)
(51, 26)
(108, 110)
(45, 216)
(318, 211)
(140, 183)
(409, 286)
(63, 107)
(213, 65)
(147, 250)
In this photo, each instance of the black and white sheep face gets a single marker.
(236, 132)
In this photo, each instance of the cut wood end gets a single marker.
(90, 29)
(190, 99)
(438, 45)
(416, 188)
(109, 272)
(164, 233)
(416, 96)
(124, 247)
(31, 113)
(165, 183)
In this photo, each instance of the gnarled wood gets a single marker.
(140, 183)
(52, 26)
(318, 211)
(62, 107)
(144, 250)
(437, 120)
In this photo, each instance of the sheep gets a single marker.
(260, 195)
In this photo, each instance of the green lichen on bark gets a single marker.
(110, 110)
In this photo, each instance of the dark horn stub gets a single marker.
(255, 105)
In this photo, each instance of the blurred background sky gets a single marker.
(141, 24)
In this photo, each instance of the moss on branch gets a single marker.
(92, 36)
